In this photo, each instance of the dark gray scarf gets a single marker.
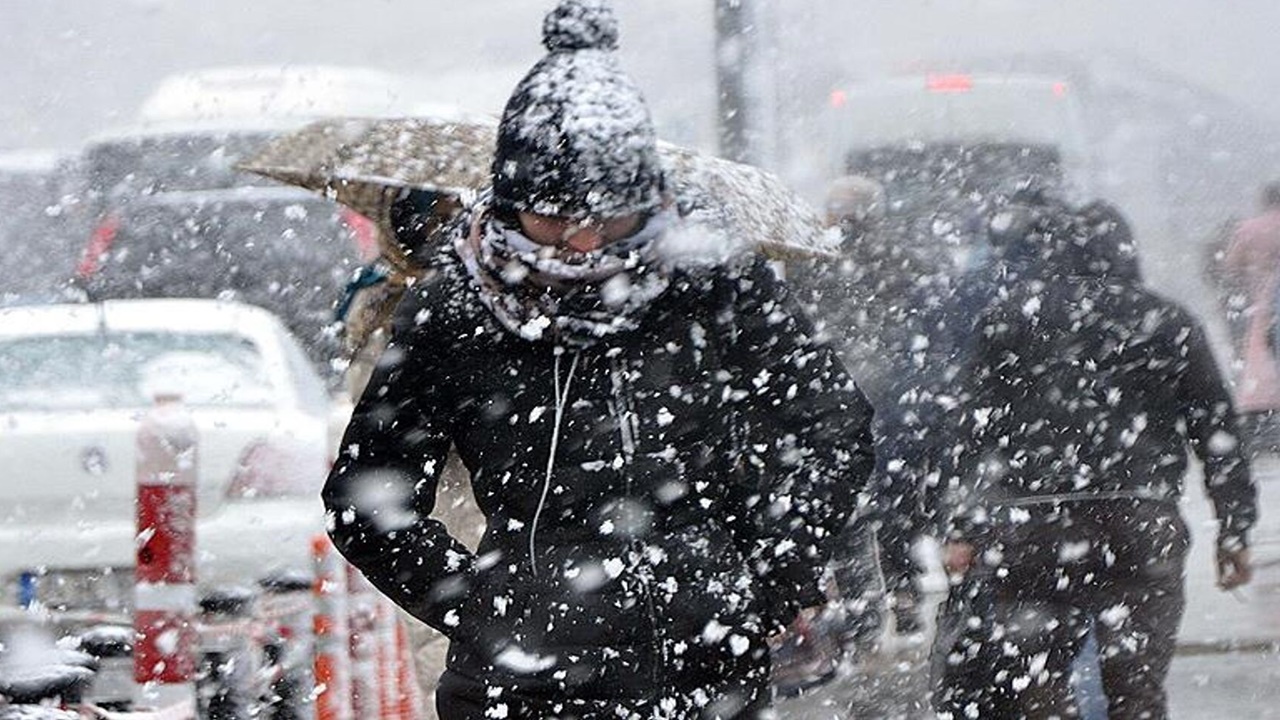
(539, 294)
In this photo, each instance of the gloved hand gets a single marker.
(1234, 567)
(957, 558)
(798, 627)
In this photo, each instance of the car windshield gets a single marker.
(127, 369)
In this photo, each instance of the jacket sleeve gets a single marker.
(972, 449)
(805, 451)
(1211, 430)
(381, 490)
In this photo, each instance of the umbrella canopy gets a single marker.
(748, 206)
(364, 163)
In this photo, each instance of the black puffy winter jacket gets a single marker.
(1081, 386)
(655, 504)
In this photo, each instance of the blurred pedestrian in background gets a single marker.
(1230, 290)
(1083, 394)
(1253, 260)
(662, 452)
(1026, 204)
(878, 304)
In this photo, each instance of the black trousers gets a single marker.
(1009, 632)
(897, 497)
(896, 538)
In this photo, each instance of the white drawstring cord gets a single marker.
(562, 398)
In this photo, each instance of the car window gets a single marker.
(126, 370)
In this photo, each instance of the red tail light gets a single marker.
(268, 471)
(104, 235)
(364, 232)
(956, 83)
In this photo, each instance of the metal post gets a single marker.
(734, 49)
(410, 696)
(228, 668)
(287, 606)
(362, 616)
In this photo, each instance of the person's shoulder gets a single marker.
(1160, 312)
(748, 273)
(440, 300)
(714, 294)
(707, 279)
(1244, 230)
(441, 277)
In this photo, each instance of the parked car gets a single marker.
(176, 219)
(78, 377)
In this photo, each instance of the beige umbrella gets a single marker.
(748, 206)
(364, 163)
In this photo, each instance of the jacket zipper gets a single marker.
(624, 410)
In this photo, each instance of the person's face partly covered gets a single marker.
(579, 236)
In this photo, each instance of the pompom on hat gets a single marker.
(576, 139)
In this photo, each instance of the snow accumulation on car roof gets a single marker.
(172, 315)
(31, 161)
(247, 193)
(241, 91)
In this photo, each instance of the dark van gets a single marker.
(945, 146)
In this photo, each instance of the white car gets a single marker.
(76, 381)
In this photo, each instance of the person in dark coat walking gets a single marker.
(662, 450)
(879, 300)
(1084, 393)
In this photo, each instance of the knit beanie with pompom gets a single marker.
(576, 139)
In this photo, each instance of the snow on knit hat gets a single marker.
(576, 139)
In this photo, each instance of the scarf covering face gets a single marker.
(538, 293)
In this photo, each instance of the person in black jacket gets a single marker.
(878, 298)
(1084, 393)
(662, 450)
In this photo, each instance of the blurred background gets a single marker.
(1176, 102)
(121, 122)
